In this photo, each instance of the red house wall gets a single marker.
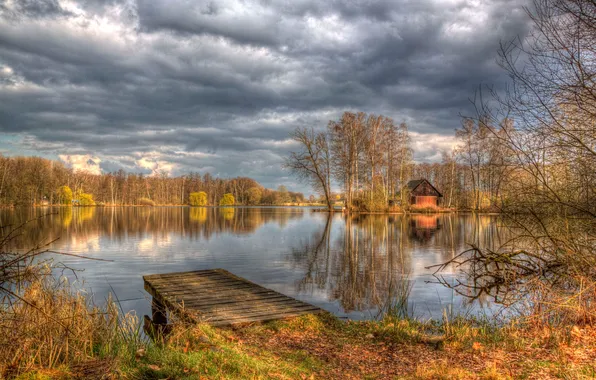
(429, 200)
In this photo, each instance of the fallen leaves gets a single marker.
(140, 353)
(343, 356)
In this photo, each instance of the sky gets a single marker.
(177, 86)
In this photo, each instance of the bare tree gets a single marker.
(551, 200)
(313, 162)
(347, 145)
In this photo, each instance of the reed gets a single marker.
(45, 323)
(50, 325)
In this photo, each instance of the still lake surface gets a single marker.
(351, 266)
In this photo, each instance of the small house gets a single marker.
(423, 194)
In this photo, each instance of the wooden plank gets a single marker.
(230, 317)
(235, 314)
(251, 302)
(260, 318)
(197, 302)
(210, 275)
(196, 280)
(208, 287)
(278, 304)
(220, 298)
(201, 303)
(175, 280)
(197, 290)
(264, 314)
(201, 273)
(175, 274)
(203, 285)
(215, 293)
(223, 293)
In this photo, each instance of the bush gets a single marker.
(146, 202)
(198, 199)
(65, 195)
(378, 202)
(85, 199)
(227, 200)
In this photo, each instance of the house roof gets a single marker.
(413, 184)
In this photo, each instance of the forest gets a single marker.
(26, 181)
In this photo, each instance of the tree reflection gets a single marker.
(79, 223)
(369, 262)
(361, 262)
(198, 214)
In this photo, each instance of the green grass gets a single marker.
(204, 351)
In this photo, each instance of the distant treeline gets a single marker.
(34, 181)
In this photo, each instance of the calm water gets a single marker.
(353, 267)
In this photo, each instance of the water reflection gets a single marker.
(353, 265)
(423, 227)
(374, 258)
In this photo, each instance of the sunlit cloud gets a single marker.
(82, 162)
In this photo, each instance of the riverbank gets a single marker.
(64, 339)
(316, 207)
(323, 347)
(99, 204)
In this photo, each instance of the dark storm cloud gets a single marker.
(198, 85)
(31, 8)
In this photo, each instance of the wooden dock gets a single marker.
(218, 297)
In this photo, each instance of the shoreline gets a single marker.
(315, 208)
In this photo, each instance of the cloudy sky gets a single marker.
(191, 85)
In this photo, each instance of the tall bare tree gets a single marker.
(347, 144)
(313, 162)
(552, 202)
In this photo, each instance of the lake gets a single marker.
(354, 267)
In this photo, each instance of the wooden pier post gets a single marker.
(158, 312)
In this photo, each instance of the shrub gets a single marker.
(198, 199)
(227, 200)
(65, 195)
(378, 202)
(85, 199)
(146, 202)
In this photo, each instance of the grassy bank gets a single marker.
(54, 333)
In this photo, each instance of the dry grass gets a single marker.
(49, 326)
(83, 341)
(46, 325)
(444, 370)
